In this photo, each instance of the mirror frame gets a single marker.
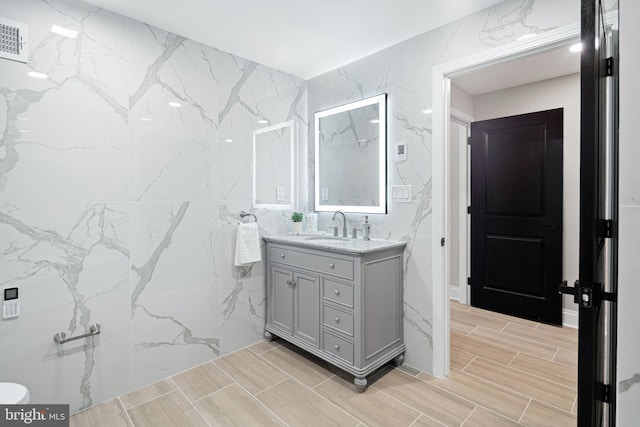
(292, 198)
(381, 208)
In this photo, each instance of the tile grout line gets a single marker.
(214, 392)
(575, 404)
(416, 420)
(475, 356)
(491, 383)
(193, 406)
(271, 386)
(469, 416)
(525, 410)
(312, 389)
(149, 400)
(515, 391)
(254, 398)
(512, 359)
(126, 411)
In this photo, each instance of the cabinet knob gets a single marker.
(332, 266)
(281, 255)
(289, 282)
(337, 347)
(337, 292)
(337, 319)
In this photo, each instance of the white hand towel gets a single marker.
(248, 244)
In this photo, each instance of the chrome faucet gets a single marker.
(344, 222)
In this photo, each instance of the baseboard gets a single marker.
(454, 293)
(569, 318)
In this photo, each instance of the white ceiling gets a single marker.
(302, 37)
(549, 64)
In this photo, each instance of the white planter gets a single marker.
(297, 228)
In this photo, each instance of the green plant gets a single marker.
(296, 217)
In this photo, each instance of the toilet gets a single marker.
(13, 394)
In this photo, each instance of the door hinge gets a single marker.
(603, 392)
(605, 228)
(609, 64)
(469, 210)
(442, 242)
(468, 140)
(469, 281)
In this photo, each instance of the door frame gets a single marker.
(465, 120)
(441, 89)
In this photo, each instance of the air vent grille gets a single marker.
(13, 40)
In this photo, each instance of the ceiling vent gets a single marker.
(13, 40)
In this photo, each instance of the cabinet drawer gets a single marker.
(341, 293)
(325, 264)
(338, 319)
(337, 346)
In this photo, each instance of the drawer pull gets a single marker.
(332, 266)
(337, 291)
(282, 255)
(289, 282)
(337, 319)
(337, 347)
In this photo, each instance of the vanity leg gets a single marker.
(399, 359)
(268, 336)
(360, 383)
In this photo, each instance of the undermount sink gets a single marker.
(328, 238)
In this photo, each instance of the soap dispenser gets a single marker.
(366, 229)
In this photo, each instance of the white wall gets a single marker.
(628, 412)
(562, 92)
(461, 101)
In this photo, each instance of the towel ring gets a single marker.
(244, 214)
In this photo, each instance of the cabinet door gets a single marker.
(307, 308)
(282, 298)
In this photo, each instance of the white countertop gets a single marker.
(325, 241)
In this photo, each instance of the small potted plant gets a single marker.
(296, 217)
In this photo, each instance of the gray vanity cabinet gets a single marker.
(344, 307)
(294, 299)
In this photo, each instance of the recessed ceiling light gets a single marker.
(575, 47)
(374, 121)
(23, 118)
(362, 140)
(175, 104)
(66, 32)
(263, 121)
(526, 36)
(37, 75)
(24, 131)
(427, 111)
(228, 140)
(146, 119)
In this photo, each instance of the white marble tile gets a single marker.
(174, 288)
(173, 149)
(73, 124)
(70, 263)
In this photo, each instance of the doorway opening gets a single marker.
(451, 219)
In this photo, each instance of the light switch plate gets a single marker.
(401, 193)
(325, 194)
(280, 193)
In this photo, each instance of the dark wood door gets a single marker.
(516, 215)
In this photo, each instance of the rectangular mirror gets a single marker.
(351, 157)
(273, 166)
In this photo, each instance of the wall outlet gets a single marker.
(280, 193)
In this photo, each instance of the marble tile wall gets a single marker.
(119, 209)
(403, 71)
(628, 367)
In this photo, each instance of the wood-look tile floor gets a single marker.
(505, 371)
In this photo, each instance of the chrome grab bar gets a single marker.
(61, 337)
(243, 214)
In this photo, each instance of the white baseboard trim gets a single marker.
(454, 293)
(570, 318)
